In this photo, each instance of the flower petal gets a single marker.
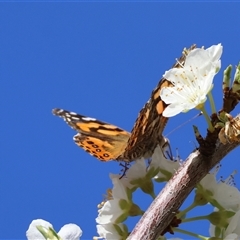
(33, 233)
(70, 232)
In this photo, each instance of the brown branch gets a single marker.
(163, 209)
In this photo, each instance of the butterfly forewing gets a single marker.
(102, 140)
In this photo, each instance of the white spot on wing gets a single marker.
(75, 118)
(89, 119)
(73, 113)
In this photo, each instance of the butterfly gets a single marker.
(109, 142)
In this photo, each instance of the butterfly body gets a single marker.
(108, 142)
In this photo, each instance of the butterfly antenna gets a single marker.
(199, 114)
(185, 52)
(126, 166)
(180, 64)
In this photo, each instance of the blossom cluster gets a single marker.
(192, 83)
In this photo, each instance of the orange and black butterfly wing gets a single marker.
(102, 140)
(147, 131)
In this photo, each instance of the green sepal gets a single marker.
(236, 81)
(50, 234)
(227, 78)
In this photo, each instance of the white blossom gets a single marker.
(226, 195)
(166, 167)
(192, 82)
(70, 232)
(112, 231)
(110, 212)
(33, 233)
(67, 232)
(113, 210)
(234, 225)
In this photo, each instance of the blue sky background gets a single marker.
(101, 60)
